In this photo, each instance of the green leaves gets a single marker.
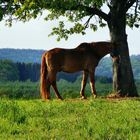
(75, 11)
(133, 22)
(62, 32)
(133, 16)
(28, 9)
(137, 25)
(93, 27)
(78, 28)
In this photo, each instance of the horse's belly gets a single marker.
(71, 70)
(72, 67)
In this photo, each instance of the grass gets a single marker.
(29, 90)
(71, 119)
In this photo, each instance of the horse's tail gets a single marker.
(43, 77)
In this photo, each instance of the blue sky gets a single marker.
(34, 35)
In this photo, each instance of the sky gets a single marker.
(34, 35)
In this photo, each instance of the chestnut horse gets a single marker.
(84, 58)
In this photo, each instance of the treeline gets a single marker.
(10, 71)
(29, 71)
(19, 71)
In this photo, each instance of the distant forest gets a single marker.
(24, 64)
(20, 71)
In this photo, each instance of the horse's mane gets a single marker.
(84, 46)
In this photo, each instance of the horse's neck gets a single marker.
(106, 49)
(102, 48)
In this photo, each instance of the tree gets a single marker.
(8, 71)
(120, 13)
(28, 71)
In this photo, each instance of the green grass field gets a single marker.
(71, 119)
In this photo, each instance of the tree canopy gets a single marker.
(82, 14)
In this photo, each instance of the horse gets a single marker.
(84, 57)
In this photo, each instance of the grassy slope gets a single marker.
(70, 119)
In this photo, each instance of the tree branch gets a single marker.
(136, 10)
(129, 4)
(87, 22)
(96, 11)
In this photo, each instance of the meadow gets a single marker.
(71, 119)
(23, 115)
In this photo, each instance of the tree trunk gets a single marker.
(123, 79)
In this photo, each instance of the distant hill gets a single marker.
(21, 55)
(34, 56)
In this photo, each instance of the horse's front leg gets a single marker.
(83, 84)
(92, 84)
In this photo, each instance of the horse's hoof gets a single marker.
(44, 100)
(94, 96)
(47, 98)
(60, 98)
(83, 97)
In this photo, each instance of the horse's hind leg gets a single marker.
(93, 90)
(83, 84)
(47, 96)
(52, 79)
(56, 90)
